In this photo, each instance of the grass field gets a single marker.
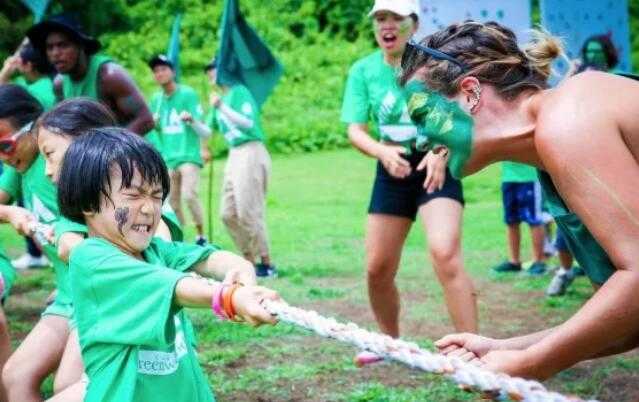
(316, 215)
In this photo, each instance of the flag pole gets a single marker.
(210, 198)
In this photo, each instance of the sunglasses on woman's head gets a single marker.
(8, 145)
(413, 49)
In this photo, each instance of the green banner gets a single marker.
(37, 7)
(173, 51)
(243, 56)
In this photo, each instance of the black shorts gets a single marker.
(403, 197)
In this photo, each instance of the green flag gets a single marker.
(173, 51)
(37, 7)
(243, 57)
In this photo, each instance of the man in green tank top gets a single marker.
(84, 72)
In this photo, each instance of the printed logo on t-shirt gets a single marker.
(173, 124)
(154, 362)
(42, 213)
(394, 120)
(233, 132)
(247, 108)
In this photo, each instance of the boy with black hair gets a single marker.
(130, 288)
(181, 139)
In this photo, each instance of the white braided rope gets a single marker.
(466, 375)
(40, 231)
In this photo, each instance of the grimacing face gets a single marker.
(130, 216)
(53, 147)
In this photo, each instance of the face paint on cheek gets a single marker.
(406, 26)
(441, 122)
(121, 218)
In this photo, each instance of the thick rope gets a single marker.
(468, 376)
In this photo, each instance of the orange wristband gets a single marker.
(227, 301)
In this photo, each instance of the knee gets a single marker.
(16, 375)
(447, 261)
(379, 274)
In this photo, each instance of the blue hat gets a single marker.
(160, 60)
(64, 23)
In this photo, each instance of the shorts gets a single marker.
(522, 203)
(403, 197)
(560, 242)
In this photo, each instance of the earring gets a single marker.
(477, 96)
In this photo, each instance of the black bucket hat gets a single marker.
(64, 23)
(160, 60)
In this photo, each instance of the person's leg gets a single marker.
(514, 243)
(71, 367)
(5, 349)
(175, 197)
(538, 234)
(190, 174)
(441, 218)
(385, 236)
(36, 357)
(228, 208)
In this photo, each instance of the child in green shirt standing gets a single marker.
(182, 138)
(236, 115)
(521, 196)
(130, 288)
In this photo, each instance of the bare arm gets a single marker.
(119, 89)
(388, 155)
(5, 198)
(228, 266)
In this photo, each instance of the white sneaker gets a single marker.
(27, 261)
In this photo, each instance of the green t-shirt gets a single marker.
(88, 85)
(240, 99)
(372, 93)
(41, 89)
(132, 336)
(40, 197)
(512, 172)
(8, 273)
(176, 140)
(583, 245)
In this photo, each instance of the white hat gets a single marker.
(399, 7)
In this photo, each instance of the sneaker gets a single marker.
(560, 283)
(201, 241)
(537, 268)
(27, 261)
(265, 270)
(507, 266)
(365, 358)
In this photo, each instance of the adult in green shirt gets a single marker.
(40, 353)
(85, 72)
(236, 115)
(521, 198)
(588, 151)
(408, 182)
(182, 136)
(135, 348)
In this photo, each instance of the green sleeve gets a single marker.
(120, 299)
(11, 182)
(181, 256)
(355, 106)
(64, 225)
